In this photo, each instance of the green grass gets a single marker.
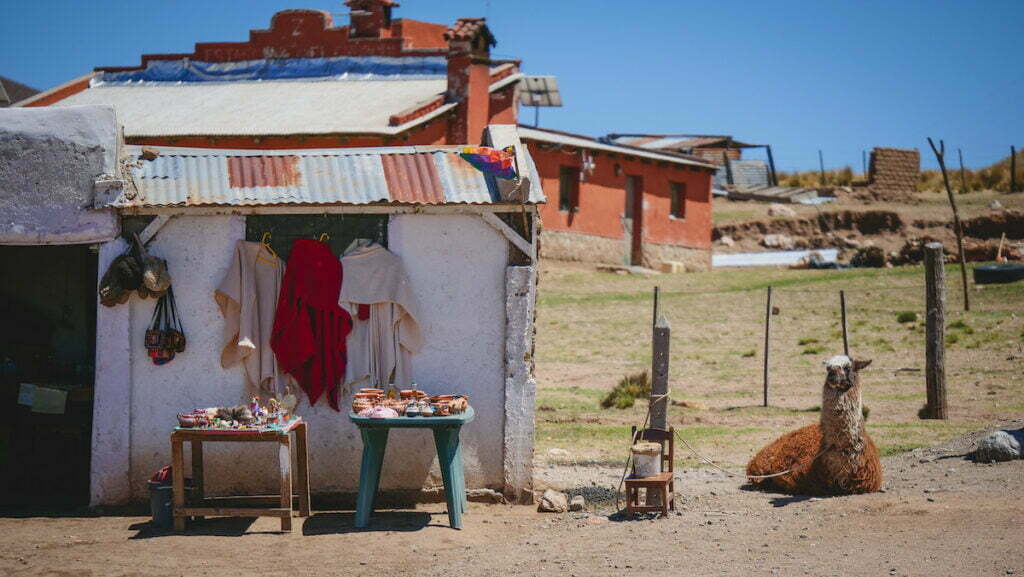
(906, 317)
(631, 387)
(594, 327)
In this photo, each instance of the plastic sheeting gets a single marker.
(772, 258)
(334, 68)
(50, 160)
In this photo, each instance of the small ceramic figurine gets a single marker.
(412, 409)
(426, 409)
(289, 400)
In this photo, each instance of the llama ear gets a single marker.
(858, 365)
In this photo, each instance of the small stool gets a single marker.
(663, 482)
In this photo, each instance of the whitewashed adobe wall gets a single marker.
(457, 266)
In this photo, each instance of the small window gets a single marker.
(568, 189)
(677, 191)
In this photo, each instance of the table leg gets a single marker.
(178, 481)
(459, 471)
(445, 440)
(285, 460)
(302, 474)
(198, 488)
(374, 444)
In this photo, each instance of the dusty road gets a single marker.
(939, 515)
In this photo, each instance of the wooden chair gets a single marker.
(663, 482)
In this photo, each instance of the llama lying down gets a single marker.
(834, 457)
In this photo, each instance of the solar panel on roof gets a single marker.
(540, 91)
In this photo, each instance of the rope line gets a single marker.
(647, 417)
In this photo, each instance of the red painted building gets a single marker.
(385, 81)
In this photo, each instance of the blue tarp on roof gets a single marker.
(334, 68)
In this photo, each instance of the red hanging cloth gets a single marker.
(309, 327)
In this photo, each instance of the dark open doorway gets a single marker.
(633, 223)
(47, 352)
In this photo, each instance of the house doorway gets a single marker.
(47, 352)
(633, 221)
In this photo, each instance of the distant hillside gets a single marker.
(996, 176)
(993, 177)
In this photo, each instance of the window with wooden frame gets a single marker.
(677, 196)
(569, 189)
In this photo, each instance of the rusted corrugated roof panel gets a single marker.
(400, 175)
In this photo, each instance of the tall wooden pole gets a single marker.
(1013, 169)
(659, 401)
(771, 165)
(821, 167)
(767, 341)
(963, 174)
(842, 310)
(958, 228)
(659, 367)
(935, 330)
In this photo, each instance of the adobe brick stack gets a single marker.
(893, 171)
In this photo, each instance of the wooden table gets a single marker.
(449, 456)
(282, 436)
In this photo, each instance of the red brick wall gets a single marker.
(503, 107)
(602, 197)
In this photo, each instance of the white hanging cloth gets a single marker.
(248, 300)
(382, 342)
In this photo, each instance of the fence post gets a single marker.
(846, 335)
(767, 340)
(935, 333)
(1013, 168)
(659, 368)
(821, 167)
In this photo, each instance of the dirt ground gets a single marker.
(939, 514)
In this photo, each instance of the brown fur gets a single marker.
(843, 461)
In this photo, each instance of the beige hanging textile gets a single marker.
(385, 331)
(248, 300)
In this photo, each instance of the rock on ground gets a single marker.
(776, 209)
(780, 241)
(553, 502)
(1000, 446)
(577, 503)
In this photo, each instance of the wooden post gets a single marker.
(842, 310)
(821, 166)
(658, 401)
(864, 163)
(935, 332)
(963, 174)
(958, 228)
(767, 340)
(728, 168)
(659, 368)
(771, 165)
(1013, 169)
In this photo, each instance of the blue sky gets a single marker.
(837, 76)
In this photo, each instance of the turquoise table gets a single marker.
(449, 456)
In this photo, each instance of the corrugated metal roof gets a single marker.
(578, 141)
(280, 107)
(397, 175)
(675, 141)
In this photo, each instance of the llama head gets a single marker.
(842, 372)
